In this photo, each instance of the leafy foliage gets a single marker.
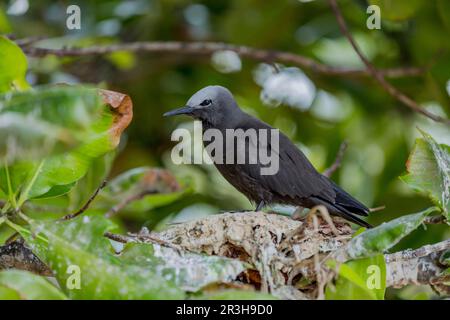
(103, 274)
(141, 271)
(71, 126)
(188, 271)
(429, 171)
(58, 143)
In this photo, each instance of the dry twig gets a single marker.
(337, 161)
(86, 205)
(208, 48)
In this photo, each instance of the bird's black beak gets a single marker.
(183, 110)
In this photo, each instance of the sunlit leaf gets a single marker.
(77, 124)
(27, 286)
(188, 271)
(8, 294)
(13, 66)
(79, 247)
(363, 279)
(383, 237)
(428, 169)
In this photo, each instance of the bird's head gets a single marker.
(212, 104)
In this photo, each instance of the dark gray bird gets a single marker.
(296, 182)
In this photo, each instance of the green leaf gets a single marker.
(76, 126)
(428, 169)
(189, 271)
(8, 294)
(79, 247)
(27, 286)
(397, 10)
(13, 66)
(381, 238)
(141, 271)
(363, 279)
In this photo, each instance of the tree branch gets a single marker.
(208, 48)
(86, 205)
(337, 161)
(420, 266)
(394, 92)
(438, 219)
(16, 255)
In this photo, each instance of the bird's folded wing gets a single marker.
(296, 177)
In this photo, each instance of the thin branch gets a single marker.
(379, 208)
(394, 92)
(418, 253)
(337, 162)
(86, 205)
(208, 48)
(117, 237)
(27, 41)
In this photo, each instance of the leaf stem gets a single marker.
(21, 230)
(2, 220)
(11, 195)
(24, 217)
(24, 195)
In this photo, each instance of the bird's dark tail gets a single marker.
(348, 202)
(347, 207)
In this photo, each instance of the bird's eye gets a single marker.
(206, 102)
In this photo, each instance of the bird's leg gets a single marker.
(260, 206)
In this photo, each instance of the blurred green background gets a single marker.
(317, 111)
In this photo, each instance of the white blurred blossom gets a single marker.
(288, 86)
(18, 7)
(226, 61)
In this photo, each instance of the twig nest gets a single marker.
(283, 251)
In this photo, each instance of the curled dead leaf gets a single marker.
(160, 180)
(122, 107)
